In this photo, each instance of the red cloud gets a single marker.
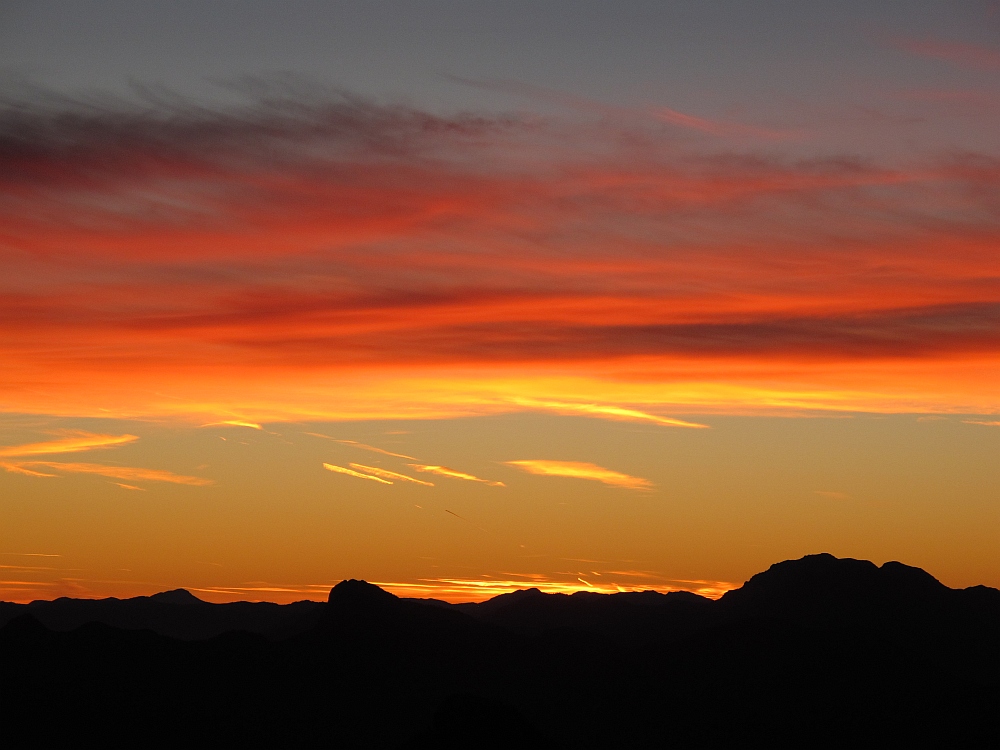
(224, 255)
(960, 54)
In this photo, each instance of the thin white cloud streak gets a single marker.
(386, 474)
(582, 470)
(362, 446)
(352, 473)
(16, 468)
(126, 473)
(604, 410)
(77, 442)
(29, 554)
(444, 471)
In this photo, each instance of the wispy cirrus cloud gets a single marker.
(361, 446)
(581, 470)
(984, 422)
(75, 442)
(29, 554)
(604, 410)
(392, 475)
(352, 473)
(19, 468)
(127, 473)
(444, 471)
(235, 423)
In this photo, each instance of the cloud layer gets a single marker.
(339, 258)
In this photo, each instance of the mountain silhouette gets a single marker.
(355, 593)
(177, 596)
(816, 652)
(177, 614)
(824, 589)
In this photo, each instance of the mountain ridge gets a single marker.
(821, 652)
(819, 588)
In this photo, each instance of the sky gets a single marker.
(463, 297)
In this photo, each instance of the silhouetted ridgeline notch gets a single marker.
(817, 652)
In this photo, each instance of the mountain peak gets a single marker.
(354, 591)
(828, 589)
(176, 596)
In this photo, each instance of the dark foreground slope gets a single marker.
(817, 652)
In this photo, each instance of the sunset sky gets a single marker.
(463, 297)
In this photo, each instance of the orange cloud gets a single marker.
(582, 470)
(234, 423)
(386, 474)
(384, 262)
(444, 471)
(352, 473)
(79, 441)
(14, 468)
(613, 412)
(29, 554)
(985, 422)
(127, 473)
